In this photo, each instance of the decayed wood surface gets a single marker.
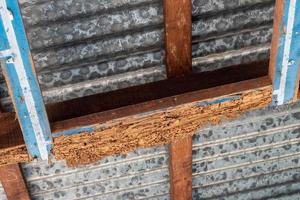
(163, 127)
(179, 117)
(13, 182)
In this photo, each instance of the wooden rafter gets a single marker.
(178, 48)
(13, 182)
(112, 132)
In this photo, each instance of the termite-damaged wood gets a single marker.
(14, 154)
(159, 128)
(133, 126)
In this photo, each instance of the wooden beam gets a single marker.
(178, 48)
(148, 124)
(275, 37)
(178, 37)
(152, 91)
(13, 182)
(181, 169)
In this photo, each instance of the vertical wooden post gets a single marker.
(13, 182)
(181, 169)
(178, 48)
(178, 37)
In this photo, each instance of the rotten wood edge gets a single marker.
(18, 153)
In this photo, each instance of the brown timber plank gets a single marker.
(152, 91)
(178, 37)
(275, 37)
(172, 118)
(181, 169)
(278, 15)
(13, 182)
(178, 48)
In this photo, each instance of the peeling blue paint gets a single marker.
(75, 131)
(288, 55)
(28, 101)
(218, 101)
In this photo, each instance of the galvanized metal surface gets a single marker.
(253, 158)
(86, 47)
(142, 174)
(2, 193)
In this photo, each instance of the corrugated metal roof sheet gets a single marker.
(253, 158)
(86, 47)
(142, 174)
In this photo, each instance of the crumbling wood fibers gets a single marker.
(159, 128)
(14, 155)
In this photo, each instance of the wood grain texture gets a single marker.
(156, 90)
(275, 37)
(181, 169)
(178, 37)
(127, 128)
(178, 48)
(13, 183)
(156, 128)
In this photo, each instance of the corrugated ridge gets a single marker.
(251, 158)
(140, 174)
(75, 42)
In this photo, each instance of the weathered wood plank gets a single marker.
(112, 131)
(13, 182)
(157, 128)
(275, 38)
(181, 169)
(156, 90)
(178, 37)
(22, 83)
(178, 48)
(285, 56)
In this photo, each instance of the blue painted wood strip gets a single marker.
(73, 131)
(22, 83)
(288, 54)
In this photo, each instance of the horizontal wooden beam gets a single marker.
(151, 123)
(161, 89)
